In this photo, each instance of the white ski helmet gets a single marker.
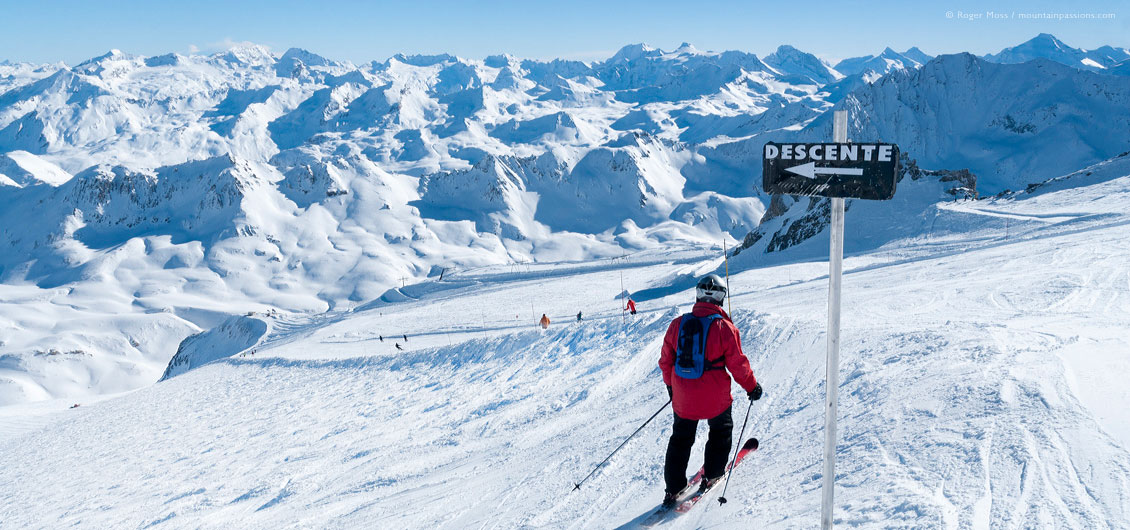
(711, 289)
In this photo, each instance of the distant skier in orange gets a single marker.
(544, 321)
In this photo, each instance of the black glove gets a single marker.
(755, 394)
(670, 392)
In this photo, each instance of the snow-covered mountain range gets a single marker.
(143, 199)
(262, 290)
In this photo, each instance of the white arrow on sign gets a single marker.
(810, 170)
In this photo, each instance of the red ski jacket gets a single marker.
(709, 395)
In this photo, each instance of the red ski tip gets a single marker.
(750, 444)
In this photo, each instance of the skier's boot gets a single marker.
(707, 483)
(669, 499)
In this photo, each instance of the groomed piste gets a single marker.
(981, 388)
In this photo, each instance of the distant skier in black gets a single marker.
(381, 337)
(405, 338)
(578, 316)
(398, 346)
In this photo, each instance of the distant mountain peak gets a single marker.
(633, 52)
(1047, 40)
(888, 60)
(502, 60)
(247, 54)
(423, 60)
(95, 65)
(790, 61)
(307, 57)
(1047, 46)
(787, 50)
(917, 55)
(113, 54)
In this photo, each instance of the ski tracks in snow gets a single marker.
(964, 403)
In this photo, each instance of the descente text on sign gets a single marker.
(831, 152)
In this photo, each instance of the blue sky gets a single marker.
(73, 30)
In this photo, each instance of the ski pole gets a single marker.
(577, 485)
(722, 498)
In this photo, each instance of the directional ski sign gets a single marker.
(847, 170)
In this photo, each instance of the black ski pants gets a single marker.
(679, 449)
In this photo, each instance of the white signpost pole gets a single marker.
(835, 270)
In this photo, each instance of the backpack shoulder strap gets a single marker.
(684, 352)
(711, 364)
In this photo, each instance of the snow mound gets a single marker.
(232, 337)
(26, 169)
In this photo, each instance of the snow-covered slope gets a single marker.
(21, 168)
(234, 336)
(982, 364)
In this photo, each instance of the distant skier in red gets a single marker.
(631, 306)
(698, 350)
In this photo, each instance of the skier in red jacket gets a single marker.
(708, 396)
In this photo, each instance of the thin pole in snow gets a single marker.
(832, 386)
(729, 295)
(623, 315)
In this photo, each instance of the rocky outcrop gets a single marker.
(790, 221)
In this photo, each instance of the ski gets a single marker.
(748, 447)
(690, 494)
(660, 513)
